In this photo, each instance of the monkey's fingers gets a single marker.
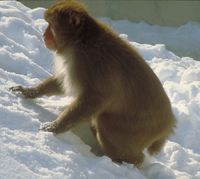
(19, 89)
(16, 88)
(54, 127)
(27, 92)
(48, 127)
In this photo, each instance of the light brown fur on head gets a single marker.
(115, 90)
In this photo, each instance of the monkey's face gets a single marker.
(64, 27)
(48, 37)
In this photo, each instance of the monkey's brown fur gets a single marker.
(115, 90)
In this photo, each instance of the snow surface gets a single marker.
(26, 152)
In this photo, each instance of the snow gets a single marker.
(26, 152)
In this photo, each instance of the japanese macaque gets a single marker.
(114, 88)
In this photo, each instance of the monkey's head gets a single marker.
(65, 22)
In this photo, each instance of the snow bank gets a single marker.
(25, 152)
(183, 41)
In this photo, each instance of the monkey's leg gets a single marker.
(80, 110)
(156, 146)
(117, 139)
(121, 149)
(48, 87)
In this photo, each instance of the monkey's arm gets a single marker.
(80, 110)
(48, 87)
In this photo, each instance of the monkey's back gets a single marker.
(136, 91)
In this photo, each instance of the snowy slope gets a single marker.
(26, 152)
(183, 41)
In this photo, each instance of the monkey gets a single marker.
(114, 89)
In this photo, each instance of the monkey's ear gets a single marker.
(75, 19)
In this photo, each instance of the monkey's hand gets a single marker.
(54, 127)
(27, 92)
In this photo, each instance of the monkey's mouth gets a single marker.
(49, 44)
